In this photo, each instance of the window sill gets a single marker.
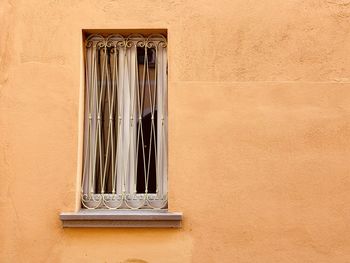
(122, 218)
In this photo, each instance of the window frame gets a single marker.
(117, 218)
(127, 189)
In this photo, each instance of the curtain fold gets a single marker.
(162, 120)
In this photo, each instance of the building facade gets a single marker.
(258, 131)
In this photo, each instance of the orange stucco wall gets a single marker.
(259, 131)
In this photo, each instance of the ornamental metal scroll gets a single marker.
(125, 122)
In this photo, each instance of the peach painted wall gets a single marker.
(259, 131)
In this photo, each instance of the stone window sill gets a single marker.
(121, 218)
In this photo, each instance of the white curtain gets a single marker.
(126, 155)
(162, 122)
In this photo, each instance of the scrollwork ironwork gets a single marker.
(103, 185)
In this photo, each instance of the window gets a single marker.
(125, 122)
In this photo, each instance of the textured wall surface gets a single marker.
(259, 131)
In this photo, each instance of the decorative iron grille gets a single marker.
(125, 122)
